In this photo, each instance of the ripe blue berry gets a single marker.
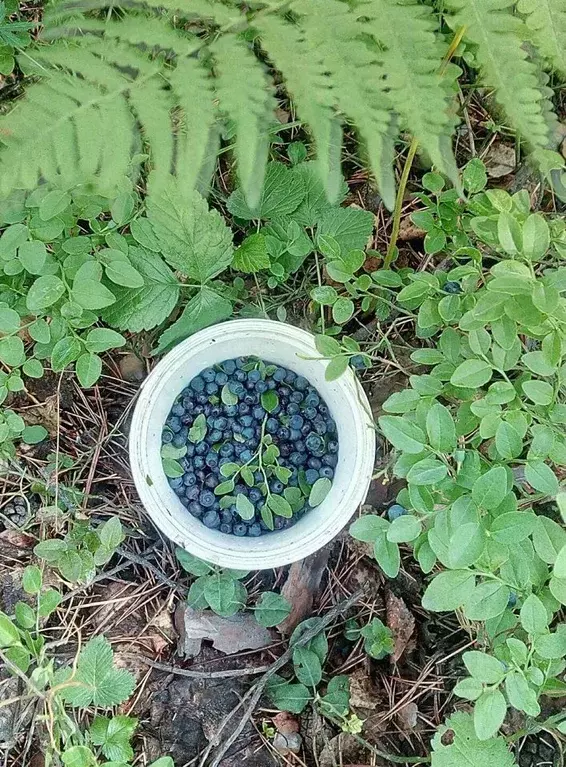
(240, 529)
(195, 509)
(191, 493)
(254, 530)
(226, 527)
(189, 478)
(166, 436)
(311, 475)
(452, 287)
(207, 499)
(221, 378)
(229, 366)
(395, 511)
(211, 519)
(255, 494)
(197, 384)
(327, 471)
(296, 422)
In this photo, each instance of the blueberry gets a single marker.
(296, 397)
(279, 523)
(258, 477)
(174, 424)
(197, 384)
(276, 486)
(211, 459)
(236, 388)
(452, 287)
(237, 428)
(293, 408)
(226, 450)
(208, 374)
(254, 376)
(297, 459)
(202, 399)
(261, 386)
(176, 482)
(290, 377)
(229, 366)
(395, 511)
(221, 379)
(195, 508)
(214, 436)
(358, 362)
(254, 530)
(180, 490)
(255, 494)
(301, 383)
(246, 420)
(283, 434)
(285, 449)
(312, 400)
(192, 493)
(189, 479)
(240, 529)
(178, 410)
(512, 601)
(332, 446)
(211, 519)
(243, 408)
(198, 462)
(241, 489)
(320, 426)
(211, 388)
(271, 384)
(258, 413)
(314, 444)
(166, 436)
(311, 475)
(279, 374)
(330, 460)
(327, 471)
(241, 361)
(251, 399)
(310, 413)
(248, 432)
(272, 425)
(314, 463)
(227, 515)
(296, 422)
(201, 448)
(220, 423)
(207, 499)
(246, 455)
(295, 434)
(211, 481)
(230, 410)
(226, 527)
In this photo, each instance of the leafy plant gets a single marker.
(223, 592)
(82, 550)
(337, 60)
(14, 36)
(479, 440)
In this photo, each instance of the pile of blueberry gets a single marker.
(247, 427)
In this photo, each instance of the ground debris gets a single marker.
(500, 160)
(287, 744)
(401, 621)
(228, 635)
(301, 588)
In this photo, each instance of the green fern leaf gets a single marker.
(411, 59)
(547, 21)
(245, 93)
(310, 87)
(499, 36)
(152, 104)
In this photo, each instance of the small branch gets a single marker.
(226, 674)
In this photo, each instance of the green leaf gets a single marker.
(541, 477)
(327, 346)
(198, 430)
(271, 609)
(429, 471)
(220, 593)
(342, 310)
(44, 292)
(25, 616)
(440, 428)
(32, 579)
(548, 539)
(403, 434)
(559, 570)
(280, 506)
(489, 713)
(484, 667)
(490, 489)
(335, 368)
(308, 669)
(402, 401)
(64, 352)
(404, 529)
(101, 339)
(78, 756)
(96, 681)
(520, 695)
(289, 697)
(534, 618)
(50, 550)
(206, 308)
(350, 227)
(111, 534)
(319, 491)
(53, 203)
(9, 634)
(244, 507)
(192, 564)
(368, 528)
(508, 441)
(193, 239)
(47, 602)
(172, 468)
(32, 435)
(387, 555)
(32, 255)
(487, 601)
(12, 351)
(468, 688)
(456, 744)
(474, 176)
(114, 736)
(448, 591)
(551, 646)
(536, 237)
(88, 368)
(269, 400)
(325, 295)
(9, 320)
(146, 307)
(540, 392)
(283, 191)
(91, 294)
(471, 374)
(513, 526)
(251, 256)
(121, 272)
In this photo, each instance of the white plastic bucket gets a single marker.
(274, 342)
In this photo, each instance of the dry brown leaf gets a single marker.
(301, 588)
(285, 723)
(363, 693)
(409, 231)
(401, 622)
(407, 717)
(228, 635)
(500, 160)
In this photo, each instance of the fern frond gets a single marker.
(359, 88)
(209, 10)
(152, 104)
(307, 82)
(547, 21)
(498, 35)
(197, 138)
(245, 93)
(411, 58)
